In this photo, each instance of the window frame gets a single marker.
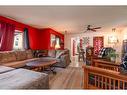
(22, 46)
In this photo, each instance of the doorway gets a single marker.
(76, 44)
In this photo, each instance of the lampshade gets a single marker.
(57, 44)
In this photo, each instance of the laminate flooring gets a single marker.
(67, 78)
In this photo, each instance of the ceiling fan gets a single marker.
(91, 28)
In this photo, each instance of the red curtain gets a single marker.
(6, 36)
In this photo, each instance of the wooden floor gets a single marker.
(68, 78)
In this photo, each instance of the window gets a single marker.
(53, 40)
(18, 40)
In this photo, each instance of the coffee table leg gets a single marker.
(51, 69)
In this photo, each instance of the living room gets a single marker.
(44, 44)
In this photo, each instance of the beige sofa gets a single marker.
(61, 56)
(16, 59)
(14, 77)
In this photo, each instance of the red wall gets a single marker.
(45, 37)
(38, 38)
(33, 32)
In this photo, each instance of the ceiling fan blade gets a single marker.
(97, 28)
(93, 30)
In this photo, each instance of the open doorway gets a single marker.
(76, 47)
(75, 41)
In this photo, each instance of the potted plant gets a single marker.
(113, 55)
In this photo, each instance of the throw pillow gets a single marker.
(101, 52)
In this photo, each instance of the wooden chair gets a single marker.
(106, 64)
(81, 55)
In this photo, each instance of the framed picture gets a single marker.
(112, 39)
(86, 41)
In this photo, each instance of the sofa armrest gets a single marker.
(65, 59)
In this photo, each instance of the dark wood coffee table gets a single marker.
(43, 64)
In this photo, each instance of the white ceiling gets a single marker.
(72, 19)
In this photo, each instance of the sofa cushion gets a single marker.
(20, 55)
(52, 53)
(29, 54)
(4, 69)
(7, 57)
(59, 53)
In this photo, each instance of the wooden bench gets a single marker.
(99, 78)
(106, 64)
